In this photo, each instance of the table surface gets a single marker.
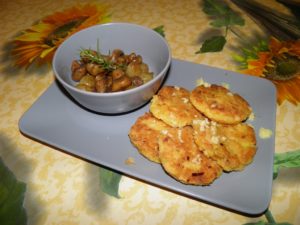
(63, 189)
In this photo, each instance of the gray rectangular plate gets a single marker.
(55, 119)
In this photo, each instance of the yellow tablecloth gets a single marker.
(62, 189)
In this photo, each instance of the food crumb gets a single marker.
(200, 82)
(225, 85)
(129, 161)
(251, 117)
(265, 133)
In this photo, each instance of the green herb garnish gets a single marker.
(96, 57)
(160, 30)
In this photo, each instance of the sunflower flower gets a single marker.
(38, 43)
(279, 62)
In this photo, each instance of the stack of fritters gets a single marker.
(196, 135)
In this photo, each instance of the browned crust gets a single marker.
(172, 105)
(181, 158)
(219, 104)
(144, 133)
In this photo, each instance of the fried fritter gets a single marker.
(241, 141)
(144, 135)
(172, 105)
(181, 158)
(220, 104)
(231, 146)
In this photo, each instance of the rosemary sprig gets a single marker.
(96, 57)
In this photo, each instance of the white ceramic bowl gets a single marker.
(130, 38)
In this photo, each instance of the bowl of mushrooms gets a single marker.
(112, 68)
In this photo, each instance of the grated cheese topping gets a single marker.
(215, 140)
(185, 100)
(202, 123)
(197, 159)
(164, 132)
(179, 134)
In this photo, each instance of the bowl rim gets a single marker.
(118, 93)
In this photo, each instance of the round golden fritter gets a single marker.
(172, 105)
(144, 135)
(220, 104)
(181, 158)
(241, 141)
(231, 146)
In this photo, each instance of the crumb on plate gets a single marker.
(265, 133)
(200, 82)
(225, 85)
(129, 161)
(252, 117)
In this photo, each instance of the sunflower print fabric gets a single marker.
(38, 43)
(280, 64)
